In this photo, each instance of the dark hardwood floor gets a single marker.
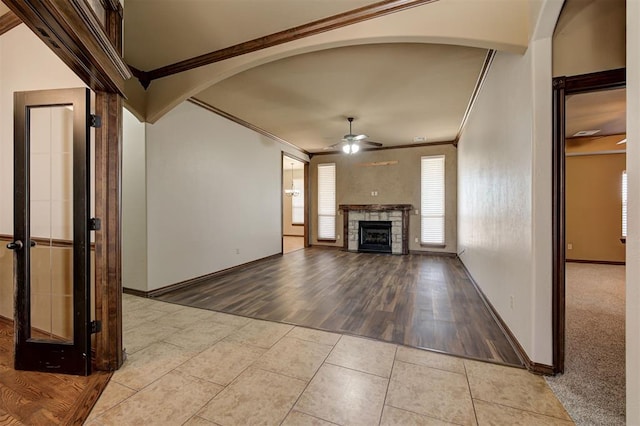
(32, 398)
(415, 300)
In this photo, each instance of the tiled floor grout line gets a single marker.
(386, 392)
(473, 404)
(309, 382)
(414, 360)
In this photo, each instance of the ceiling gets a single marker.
(603, 110)
(395, 92)
(404, 75)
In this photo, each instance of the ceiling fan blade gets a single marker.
(334, 146)
(359, 137)
(378, 144)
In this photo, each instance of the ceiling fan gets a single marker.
(350, 142)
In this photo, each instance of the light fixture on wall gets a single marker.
(293, 192)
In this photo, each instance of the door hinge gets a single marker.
(96, 327)
(95, 224)
(95, 120)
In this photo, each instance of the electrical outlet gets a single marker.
(337, 237)
(415, 240)
(417, 212)
(569, 246)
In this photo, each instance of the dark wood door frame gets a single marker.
(93, 51)
(306, 195)
(562, 87)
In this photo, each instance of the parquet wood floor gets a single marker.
(33, 398)
(415, 300)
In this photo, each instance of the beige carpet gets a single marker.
(593, 386)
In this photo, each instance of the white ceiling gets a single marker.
(395, 92)
(403, 75)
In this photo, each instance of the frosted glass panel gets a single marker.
(51, 222)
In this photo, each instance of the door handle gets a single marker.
(16, 245)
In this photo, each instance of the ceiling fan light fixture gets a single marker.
(351, 148)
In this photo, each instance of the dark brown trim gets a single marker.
(197, 280)
(307, 208)
(325, 240)
(561, 87)
(597, 262)
(484, 71)
(515, 344)
(72, 31)
(375, 207)
(558, 226)
(134, 292)
(340, 20)
(602, 80)
(108, 207)
(47, 242)
(8, 21)
(384, 148)
(246, 124)
(292, 235)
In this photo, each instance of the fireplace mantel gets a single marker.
(398, 214)
(375, 207)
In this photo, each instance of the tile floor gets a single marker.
(188, 366)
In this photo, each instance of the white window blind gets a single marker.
(624, 204)
(432, 200)
(327, 201)
(297, 203)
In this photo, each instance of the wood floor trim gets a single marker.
(88, 399)
(197, 280)
(534, 367)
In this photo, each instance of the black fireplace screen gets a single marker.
(374, 236)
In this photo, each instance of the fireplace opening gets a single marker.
(374, 237)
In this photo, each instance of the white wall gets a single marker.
(134, 203)
(504, 190)
(26, 64)
(213, 195)
(495, 189)
(633, 230)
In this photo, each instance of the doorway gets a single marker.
(51, 239)
(295, 204)
(563, 88)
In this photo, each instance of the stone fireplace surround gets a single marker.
(398, 214)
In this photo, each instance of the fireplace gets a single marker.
(374, 236)
(396, 214)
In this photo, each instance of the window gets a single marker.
(327, 201)
(432, 200)
(624, 204)
(297, 203)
